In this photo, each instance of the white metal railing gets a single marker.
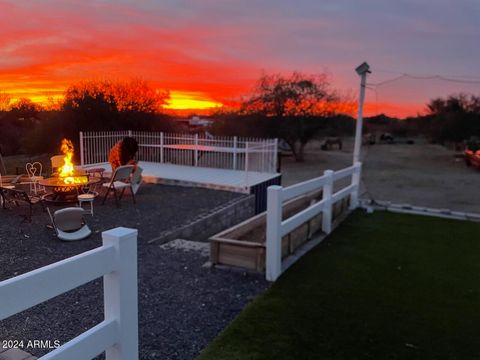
(277, 195)
(116, 261)
(236, 153)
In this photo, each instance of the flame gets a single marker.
(66, 171)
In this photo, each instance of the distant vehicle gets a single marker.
(386, 138)
(369, 139)
(472, 153)
(472, 158)
(283, 146)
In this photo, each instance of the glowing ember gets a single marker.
(67, 171)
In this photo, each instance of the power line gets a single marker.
(476, 76)
(387, 81)
(463, 79)
(424, 77)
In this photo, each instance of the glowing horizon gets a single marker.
(211, 52)
(187, 100)
(179, 100)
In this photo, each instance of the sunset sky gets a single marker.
(209, 52)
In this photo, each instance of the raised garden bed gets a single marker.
(243, 245)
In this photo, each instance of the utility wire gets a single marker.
(476, 76)
(374, 86)
(424, 77)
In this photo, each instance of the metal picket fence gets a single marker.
(198, 150)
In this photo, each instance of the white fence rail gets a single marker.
(236, 153)
(116, 261)
(277, 195)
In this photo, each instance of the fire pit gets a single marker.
(69, 183)
(61, 192)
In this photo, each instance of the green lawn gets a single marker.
(382, 286)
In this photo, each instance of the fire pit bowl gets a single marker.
(60, 192)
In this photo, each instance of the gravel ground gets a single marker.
(182, 305)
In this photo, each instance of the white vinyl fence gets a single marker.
(116, 261)
(277, 195)
(202, 150)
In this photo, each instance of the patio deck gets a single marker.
(212, 178)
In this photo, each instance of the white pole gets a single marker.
(274, 239)
(362, 70)
(121, 293)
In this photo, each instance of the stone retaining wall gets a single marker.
(213, 222)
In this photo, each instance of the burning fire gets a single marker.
(67, 171)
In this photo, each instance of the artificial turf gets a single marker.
(382, 286)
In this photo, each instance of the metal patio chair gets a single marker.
(69, 224)
(8, 183)
(120, 180)
(18, 197)
(136, 179)
(87, 195)
(34, 172)
(57, 162)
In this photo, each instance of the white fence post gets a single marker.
(246, 163)
(275, 156)
(235, 145)
(357, 171)
(161, 147)
(327, 195)
(121, 293)
(130, 133)
(195, 161)
(82, 158)
(274, 238)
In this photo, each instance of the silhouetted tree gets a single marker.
(25, 109)
(454, 118)
(297, 106)
(114, 105)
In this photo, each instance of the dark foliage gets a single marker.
(454, 118)
(89, 106)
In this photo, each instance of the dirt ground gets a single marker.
(421, 174)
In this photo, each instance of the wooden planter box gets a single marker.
(243, 245)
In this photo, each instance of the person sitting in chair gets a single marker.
(123, 153)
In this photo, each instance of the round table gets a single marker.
(62, 193)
